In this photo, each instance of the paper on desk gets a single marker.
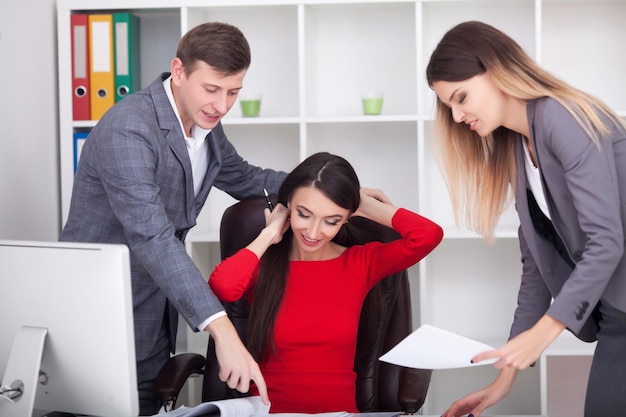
(234, 407)
(329, 414)
(431, 348)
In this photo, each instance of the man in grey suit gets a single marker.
(144, 174)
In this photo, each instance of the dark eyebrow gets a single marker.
(334, 216)
(337, 216)
(454, 93)
(219, 87)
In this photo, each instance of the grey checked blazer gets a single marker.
(134, 185)
(585, 190)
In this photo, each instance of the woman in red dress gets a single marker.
(306, 289)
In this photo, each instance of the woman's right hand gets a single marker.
(475, 403)
(277, 222)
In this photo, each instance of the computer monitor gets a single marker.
(66, 329)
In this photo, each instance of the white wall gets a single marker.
(29, 174)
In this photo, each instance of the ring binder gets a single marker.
(101, 64)
(126, 41)
(80, 67)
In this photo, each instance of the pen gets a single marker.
(269, 202)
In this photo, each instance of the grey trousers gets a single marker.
(606, 388)
(147, 371)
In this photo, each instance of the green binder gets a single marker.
(126, 52)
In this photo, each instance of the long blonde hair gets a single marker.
(481, 171)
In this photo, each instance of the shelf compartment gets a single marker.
(371, 148)
(580, 43)
(272, 32)
(357, 47)
(515, 18)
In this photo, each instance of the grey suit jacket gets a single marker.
(134, 185)
(585, 190)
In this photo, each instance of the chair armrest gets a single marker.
(413, 388)
(175, 372)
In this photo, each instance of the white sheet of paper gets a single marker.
(432, 348)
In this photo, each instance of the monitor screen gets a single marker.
(75, 301)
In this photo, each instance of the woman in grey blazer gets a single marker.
(508, 126)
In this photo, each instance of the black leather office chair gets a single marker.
(380, 386)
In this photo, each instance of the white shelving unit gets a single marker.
(310, 60)
(568, 360)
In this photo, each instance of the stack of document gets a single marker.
(252, 407)
(431, 348)
(236, 407)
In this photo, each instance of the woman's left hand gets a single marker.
(375, 205)
(524, 349)
(375, 193)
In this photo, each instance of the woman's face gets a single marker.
(315, 220)
(477, 102)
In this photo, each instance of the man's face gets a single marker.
(204, 96)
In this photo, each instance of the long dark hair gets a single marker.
(333, 176)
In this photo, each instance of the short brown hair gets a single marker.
(220, 45)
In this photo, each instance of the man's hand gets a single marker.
(237, 367)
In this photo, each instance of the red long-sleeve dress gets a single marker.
(316, 327)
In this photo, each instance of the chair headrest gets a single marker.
(241, 224)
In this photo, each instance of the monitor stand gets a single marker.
(19, 383)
